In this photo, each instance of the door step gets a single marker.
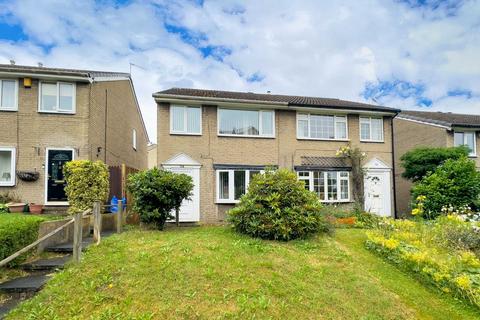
(27, 284)
(46, 264)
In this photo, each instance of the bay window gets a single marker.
(233, 183)
(185, 120)
(57, 97)
(321, 127)
(371, 129)
(7, 166)
(8, 95)
(249, 123)
(466, 139)
(330, 186)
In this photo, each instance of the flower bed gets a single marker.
(443, 252)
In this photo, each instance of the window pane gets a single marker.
(319, 184)
(134, 139)
(66, 96)
(469, 141)
(223, 185)
(267, 123)
(344, 186)
(364, 130)
(6, 166)
(332, 185)
(322, 127)
(458, 139)
(239, 184)
(239, 122)
(178, 114)
(303, 128)
(307, 183)
(193, 120)
(8, 94)
(341, 128)
(377, 129)
(49, 97)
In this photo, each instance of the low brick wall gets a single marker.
(62, 236)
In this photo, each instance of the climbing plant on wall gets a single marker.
(355, 156)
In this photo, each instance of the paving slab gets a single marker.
(47, 264)
(31, 283)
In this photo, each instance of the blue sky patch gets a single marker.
(256, 77)
(396, 88)
(460, 92)
(11, 32)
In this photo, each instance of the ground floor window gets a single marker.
(7, 166)
(330, 186)
(233, 183)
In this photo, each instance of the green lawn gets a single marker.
(213, 273)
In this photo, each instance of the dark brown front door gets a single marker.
(56, 179)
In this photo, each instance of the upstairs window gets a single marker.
(248, 123)
(371, 129)
(7, 166)
(8, 95)
(321, 127)
(57, 97)
(466, 139)
(185, 120)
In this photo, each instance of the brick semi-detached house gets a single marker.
(49, 116)
(430, 129)
(222, 138)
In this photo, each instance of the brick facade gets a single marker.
(285, 150)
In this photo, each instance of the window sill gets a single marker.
(319, 139)
(8, 110)
(336, 201)
(227, 201)
(7, 184)
(184, 134)
(373, 141)
(57, 112)
(244, 136)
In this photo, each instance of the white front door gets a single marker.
(377, 193)
(190, 209)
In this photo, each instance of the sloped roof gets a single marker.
(272, 98)
(323, 163)
(443, 118)
(62, 72)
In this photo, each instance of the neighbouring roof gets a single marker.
(271, 98)
(61, 72)
(447, 119)
(331, 163)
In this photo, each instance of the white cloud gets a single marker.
(295, 47)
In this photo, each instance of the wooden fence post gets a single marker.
(97, 222)
(119, 216)
(77, 237)
(177, 216)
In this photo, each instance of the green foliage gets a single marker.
(454, 183)
(420, 161)
(17, 231)
(367, 220)
(157, 193)
(277, 206)
(437, 252)
(87, 182)
(3, 208)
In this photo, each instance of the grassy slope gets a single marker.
(212, 273)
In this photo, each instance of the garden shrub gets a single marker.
(87, 182)
(3, 208)
(454, 234)
(420, 247)
(420, 161)
(17, 231)
(454, 183)
(157, 193)
(277, 206)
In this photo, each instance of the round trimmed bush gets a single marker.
(277, 206)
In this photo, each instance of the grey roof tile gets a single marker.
(443, 118)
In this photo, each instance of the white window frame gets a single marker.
(57, 107)
(474, 151)
(185, 120)
(231, 183)
(260, 124)
(15, 106)
(134, 139)
(12, 181)
(307, 116)
(369, 121)
(325, 184)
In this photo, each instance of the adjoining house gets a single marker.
(223, 138)
(414, 129)
(49, 116)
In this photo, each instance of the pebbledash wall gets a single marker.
(31, 132)
(285, 150)
(410, 135)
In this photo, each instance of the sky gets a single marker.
(408, 54)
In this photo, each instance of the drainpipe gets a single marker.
(393, 171)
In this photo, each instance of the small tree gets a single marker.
(277, 206)
(455, 183)
(87, 182)
(420, 161)
(156, 193)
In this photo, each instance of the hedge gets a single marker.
(16, 232)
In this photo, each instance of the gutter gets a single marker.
(43, 76)
(395, 213)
